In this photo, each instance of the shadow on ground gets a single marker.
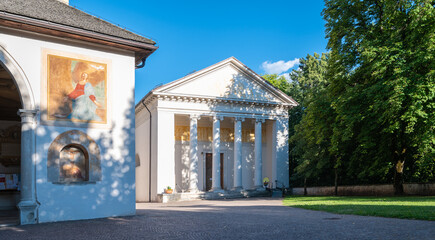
(260, 218)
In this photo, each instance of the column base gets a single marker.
(259, 188)
(237, 189)
(28, 212)
(194, 190)
(217, 190)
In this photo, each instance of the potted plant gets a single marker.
(168, 190)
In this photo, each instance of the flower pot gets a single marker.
(169, 191)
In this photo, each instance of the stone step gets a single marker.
(174, 197)
(276, 193)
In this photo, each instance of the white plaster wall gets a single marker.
(154, 153)
(165, 151)
(182, 160)
(115, 194)
(142, 150)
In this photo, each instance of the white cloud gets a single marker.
(278, 67)
(286, 76)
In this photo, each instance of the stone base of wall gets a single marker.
(370, 190)
(174, 197)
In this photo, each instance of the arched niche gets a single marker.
(73, 157)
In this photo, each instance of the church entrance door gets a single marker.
(209, 170)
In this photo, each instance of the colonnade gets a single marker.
(216, 182)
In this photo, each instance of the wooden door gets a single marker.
(209, 171)
(222, 171)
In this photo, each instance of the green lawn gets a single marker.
(395, 207)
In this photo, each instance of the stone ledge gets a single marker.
(174, 197)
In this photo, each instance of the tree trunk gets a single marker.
(305, 186)
(398, 178)
(336, 182)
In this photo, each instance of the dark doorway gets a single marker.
(209, 170)
(10, 149)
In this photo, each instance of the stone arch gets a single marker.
(78, 140)
(20, 79)
(28, 204)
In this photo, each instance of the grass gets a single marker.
(409, 207)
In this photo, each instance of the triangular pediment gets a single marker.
(228, 79)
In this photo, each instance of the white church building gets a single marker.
(220, 130)
(67, 84)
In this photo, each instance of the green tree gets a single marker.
(308, 132)
(382, 88)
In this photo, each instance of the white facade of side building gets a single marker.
(45, 201)
(224, 111)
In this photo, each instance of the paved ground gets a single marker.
(255, 218)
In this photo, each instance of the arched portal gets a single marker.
(17, 139)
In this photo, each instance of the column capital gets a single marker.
(241, 119)
(195, 116)
(262, 120)
(218, 117)
(27, 115)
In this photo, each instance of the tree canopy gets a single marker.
(367, 109)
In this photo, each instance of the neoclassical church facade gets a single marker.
(67, 84)
(220, 130)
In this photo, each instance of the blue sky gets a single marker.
(267, 36)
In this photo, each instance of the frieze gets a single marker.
(212, 100)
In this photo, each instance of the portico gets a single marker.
(226, 140)
(219, 130)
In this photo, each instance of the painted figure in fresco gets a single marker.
(72, 161)
(84, 103)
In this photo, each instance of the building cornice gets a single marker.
(153, 96)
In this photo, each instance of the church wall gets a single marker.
(142, 150)
(165, 151)
(268, 153)
(114, 195)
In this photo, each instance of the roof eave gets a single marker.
(142, 50)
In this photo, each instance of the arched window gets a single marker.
(73, 157)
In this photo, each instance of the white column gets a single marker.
(238, 153)
(193, 167)
(28, 206)
(258, 155)
(216, 181)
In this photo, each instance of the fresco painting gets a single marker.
(77, 90)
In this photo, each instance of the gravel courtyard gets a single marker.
(254, 218)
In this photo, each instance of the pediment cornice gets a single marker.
(154, 96)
